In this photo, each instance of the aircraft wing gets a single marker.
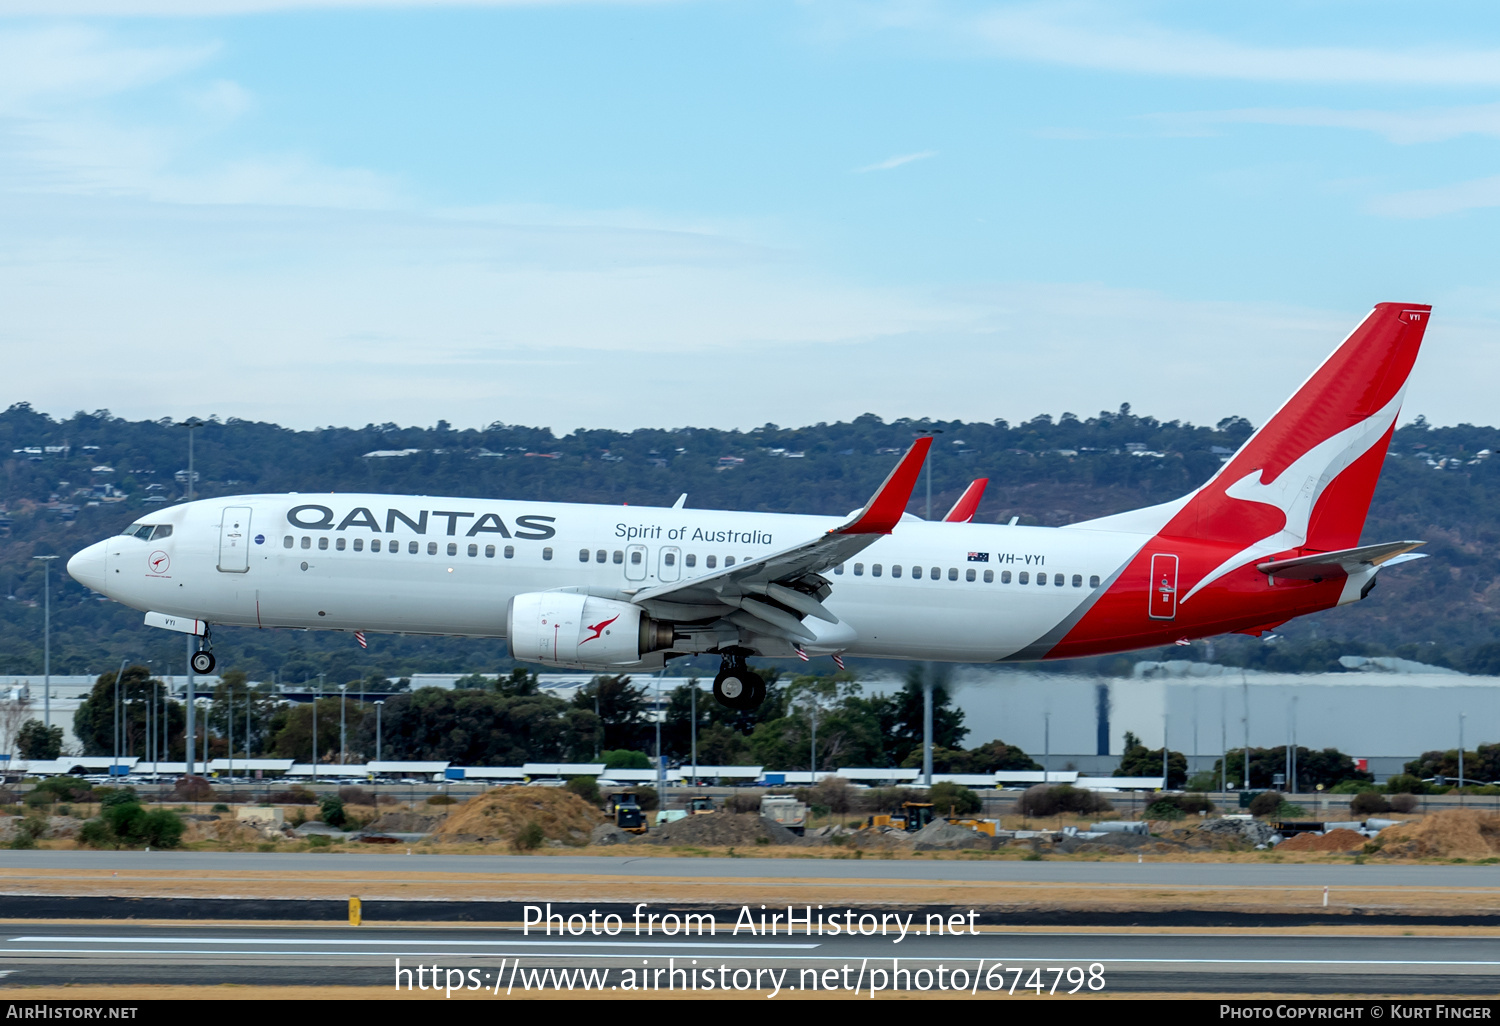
(1342, 563)
(968, 503)
(770, 595)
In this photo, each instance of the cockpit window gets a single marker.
(148, 532)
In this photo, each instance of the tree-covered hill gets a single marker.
(67, 483)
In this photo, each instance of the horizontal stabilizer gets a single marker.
(1342, 563)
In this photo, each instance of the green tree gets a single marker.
(624, 758)
(904, 720)
(622, 708)
(94, 723)
(1139, 761)
(35, 740)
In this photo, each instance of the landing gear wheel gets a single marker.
(204, 662)
(739, 689)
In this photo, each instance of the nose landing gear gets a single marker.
(736, 687)
(203, 660)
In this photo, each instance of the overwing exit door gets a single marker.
(1163, 587)
(234, 540)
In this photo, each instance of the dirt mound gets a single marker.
(940, 835)
(502, 813)
(721, 828)
(1337, 839)
(405, 823)
(1453, 833)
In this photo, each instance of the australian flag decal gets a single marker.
(979, 557)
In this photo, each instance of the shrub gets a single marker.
(1185, 804)
(442, 799)
(743, 801)
(22, 842)
(1369, 802)
(647, 798)
(332, 809)
(192, 789)
(162, 828)
(1405, 783)
(887, 799)
(1203, 780)
(64, 810)
(946, 796)
(356, 796)
(97, 834)
(7, 796)
(219, 807)
(586, 788)
(296, 795)
(529, 838)
(1266, 803)
(319, 841)
(1352, 787)
(1403, 803)
(1045, 800)
(108, 797)
(1164, 808)
(834, 794)
(36, 799)
(66, 788)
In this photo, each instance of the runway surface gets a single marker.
(499, 958)
(809, 870)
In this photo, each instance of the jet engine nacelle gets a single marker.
(565, 629)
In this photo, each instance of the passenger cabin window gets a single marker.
(306, 542)
(729, 561)
(691, 559)
(1094, 581)
(711, 562)
(953, 573)
(619, 555)
(1004, 576)
(489, 552)
(670, 559)
(359, 545)
(547, 552)
(323, 542)
(875, 570)
(1023, 578)
(896, 570)
(859, 569)
(635, 557)
(969, 574)
(1041, 579)
(413, 547)
(838, 570)
(340, 544)
(374, 544)
(916, 573)
(1078, 580)
(601, 556)
(432, 548)
(453, 548)
(937, 573)
(583, 555)
(474, 549)
(510, 551)
(989, 577)
(286, 542)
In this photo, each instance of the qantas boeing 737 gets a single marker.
(1273, 535)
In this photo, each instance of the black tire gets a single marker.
(757, 691)
(204, 662)
(735, 689)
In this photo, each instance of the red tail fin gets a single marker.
(968, 503)
(1304, 480)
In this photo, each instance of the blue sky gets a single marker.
(727, 213)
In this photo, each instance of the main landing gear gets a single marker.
(736, 687)
(203, 660)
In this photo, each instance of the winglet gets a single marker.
(883, 511)
(968, 503)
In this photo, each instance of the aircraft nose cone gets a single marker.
(87, 566)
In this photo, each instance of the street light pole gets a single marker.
(1461, 757)
(927, 475)
(118, 675)
(378, 704)
(693, 698)
(343, 732)
(192, 424)
(46, 638)
(927, 725)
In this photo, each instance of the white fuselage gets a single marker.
(451, 566)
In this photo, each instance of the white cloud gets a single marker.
(41, 68)
(1476, 194)
(1432, 124)
(1092, 36)
(890, 162)
(224, 8)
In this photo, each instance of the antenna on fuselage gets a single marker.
(681, 501)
